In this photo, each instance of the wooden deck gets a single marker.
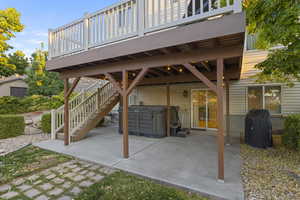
(164, 42)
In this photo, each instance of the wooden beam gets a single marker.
(155, 61)
(136, 80)
(66, 112)
(200, 76)
(125, 114)
(232, 74)
(114, 82)
(168, 110)
(220, 94)
(74, 84)
(206, 65)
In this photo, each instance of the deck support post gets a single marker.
(220, 113)
(125, 114)
(66, 112)
(228, 138)
(125, 91)
(168, 110)
(218, 89)
(67, 93)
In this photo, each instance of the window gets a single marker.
(251, 40)
(265, 97)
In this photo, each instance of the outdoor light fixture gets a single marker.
(180, 70)
(168, 68)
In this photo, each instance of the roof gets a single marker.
(11, 79)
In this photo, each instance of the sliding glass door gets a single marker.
(204, 109)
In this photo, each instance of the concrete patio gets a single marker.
(189, 162)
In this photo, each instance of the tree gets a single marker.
(40, 81)
(19, 60)
(276, 22)
(9, 25)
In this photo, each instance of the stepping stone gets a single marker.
(37, 182)
(70, 175)
(75, 190)
(56, 191)
(32, 193)
(95, 167)
(107, 170)
(9, 195)
(33, 177)
(58, 180)
(18, 181)
(86, 184)
(97, 178)
(83, 172)
(24, 187)
(78, 178)
(51, 176)
(46, 186)
(91, 174)
(42, 197)
(77, 169)
(66, 185)
(4, 188)
(65, 198)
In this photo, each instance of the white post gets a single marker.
(50, 44)
(141, 17)
(53, 134)
(86, 31)
(238, 6)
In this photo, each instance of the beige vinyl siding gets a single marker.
(291, 99)
(156, 95)
(5, 87)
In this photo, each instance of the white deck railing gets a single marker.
(57, 115)
(132, 18)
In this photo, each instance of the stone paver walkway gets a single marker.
(64, 181)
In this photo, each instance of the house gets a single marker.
(13, 86)
(191, 54)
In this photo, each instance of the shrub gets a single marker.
(291, 137)
(46, 123)
(11, 105)
(11, 126)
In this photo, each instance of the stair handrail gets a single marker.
(93, 104)
(57, 115)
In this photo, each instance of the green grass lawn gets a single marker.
(122, 186)
(27, 161)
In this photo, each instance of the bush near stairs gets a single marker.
(46, 123)
(11, 126)
(291, 137)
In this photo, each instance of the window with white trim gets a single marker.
(265, 97)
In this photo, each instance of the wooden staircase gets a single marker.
(86, 110)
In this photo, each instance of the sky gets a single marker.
(40, 15)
